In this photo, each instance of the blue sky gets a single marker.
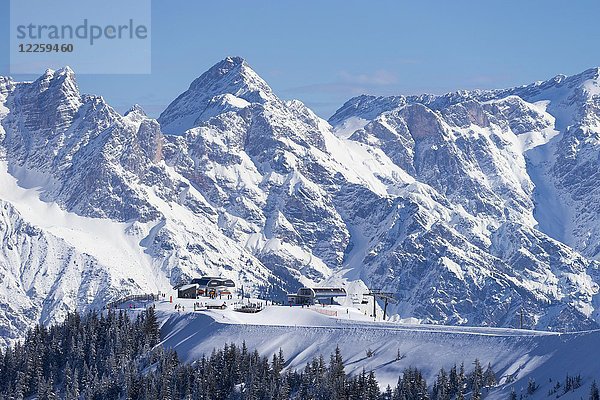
(324, 52)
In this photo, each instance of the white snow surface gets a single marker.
(105, 240)
(303, 333)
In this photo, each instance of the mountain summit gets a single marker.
(229, 83)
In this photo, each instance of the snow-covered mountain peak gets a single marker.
(588, 74)
(63, 78)
(66, 72)
(233, 75)
(578, 87)
(571, 99)
(592, 83)
(43, 108)
(136, 112)
(230, 82)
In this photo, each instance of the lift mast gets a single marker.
(387, 297)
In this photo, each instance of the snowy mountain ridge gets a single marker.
(562, 130)
(468, 206)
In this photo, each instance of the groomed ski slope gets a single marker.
(303, 333)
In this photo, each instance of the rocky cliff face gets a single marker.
(467, 206)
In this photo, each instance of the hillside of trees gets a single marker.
(112, 356)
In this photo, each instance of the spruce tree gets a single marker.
(531, 386)
(489, 377)
(460, 394)
(477, 375)
(441, 386)
(337, 376)
(372, 387)
(594, 395)
(476, 391)
(388, 394)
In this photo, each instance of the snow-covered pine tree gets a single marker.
(372, 391)
(489, 377)
(337, 375)
(476, 377)
(594, 395)
(532, 386)
(441, 386)
(388, 394)
(461, 380)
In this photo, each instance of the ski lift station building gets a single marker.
(214, 285)
(187, 291)
(321, 295)
(206, 286)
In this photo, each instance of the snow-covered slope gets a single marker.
(469, 207)
(516, 356)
